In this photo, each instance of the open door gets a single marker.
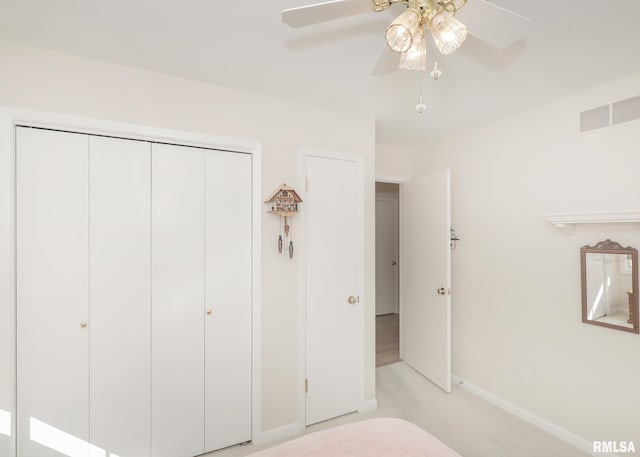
(425, 276)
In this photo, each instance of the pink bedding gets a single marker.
(381, 437)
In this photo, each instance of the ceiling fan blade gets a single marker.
(492, 23)
(327, 11)
(387, 62)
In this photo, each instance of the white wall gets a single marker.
(393, 161)
(516, 278)
(47, 81)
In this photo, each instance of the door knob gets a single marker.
(394, 263)
(83, 324)
(441, 291)
(209, 312)
(352, 300)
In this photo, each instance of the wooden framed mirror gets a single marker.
(610, 286)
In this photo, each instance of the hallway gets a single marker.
(387, 339)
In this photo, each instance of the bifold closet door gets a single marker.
(177, 301)
(120, 296)
(134, 297)
(52, 192)
(228, 299)
(201, 300)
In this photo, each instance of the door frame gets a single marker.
(303, 153)
(10, 118)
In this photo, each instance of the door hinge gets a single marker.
(306, 386)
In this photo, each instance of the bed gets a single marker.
(380, 437)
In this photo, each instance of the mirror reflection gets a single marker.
(609, 282)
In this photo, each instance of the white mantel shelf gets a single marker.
(567, 221)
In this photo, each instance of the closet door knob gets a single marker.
(83, 324)
(352, 300)
(209, 312)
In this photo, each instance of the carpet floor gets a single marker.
(470, 425)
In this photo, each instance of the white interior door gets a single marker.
(120, 295)
(52, 190)
(177, 301)
(228, 300)
(425, 308)
(332, 207)
(386, 256)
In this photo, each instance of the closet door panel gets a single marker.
(177, 301)
(52, 293)
(228, 297)
(120, 295)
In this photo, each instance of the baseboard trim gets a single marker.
(549, 427)
(282, 432)
(368, 405)
(295, 428)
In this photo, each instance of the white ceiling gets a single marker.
(570, 45)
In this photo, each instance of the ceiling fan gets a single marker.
(406, 35)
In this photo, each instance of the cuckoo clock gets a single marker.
(284, 202)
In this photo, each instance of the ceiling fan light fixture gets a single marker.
(448, 33)
(401, 32)
(415, 58)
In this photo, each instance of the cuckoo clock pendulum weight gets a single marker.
(284, 202)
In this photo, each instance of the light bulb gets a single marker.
(448, 33)
(415, 58)
(401, 32)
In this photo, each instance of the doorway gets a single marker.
(387, 275)
(425, 279)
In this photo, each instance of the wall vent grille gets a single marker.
(595, 118)
(614, 113)
(625, 110)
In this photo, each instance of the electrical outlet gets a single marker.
(525, 376)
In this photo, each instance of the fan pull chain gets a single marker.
(420, 107)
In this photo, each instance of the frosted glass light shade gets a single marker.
(448, 33)
(415, 58)
(402, 30)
